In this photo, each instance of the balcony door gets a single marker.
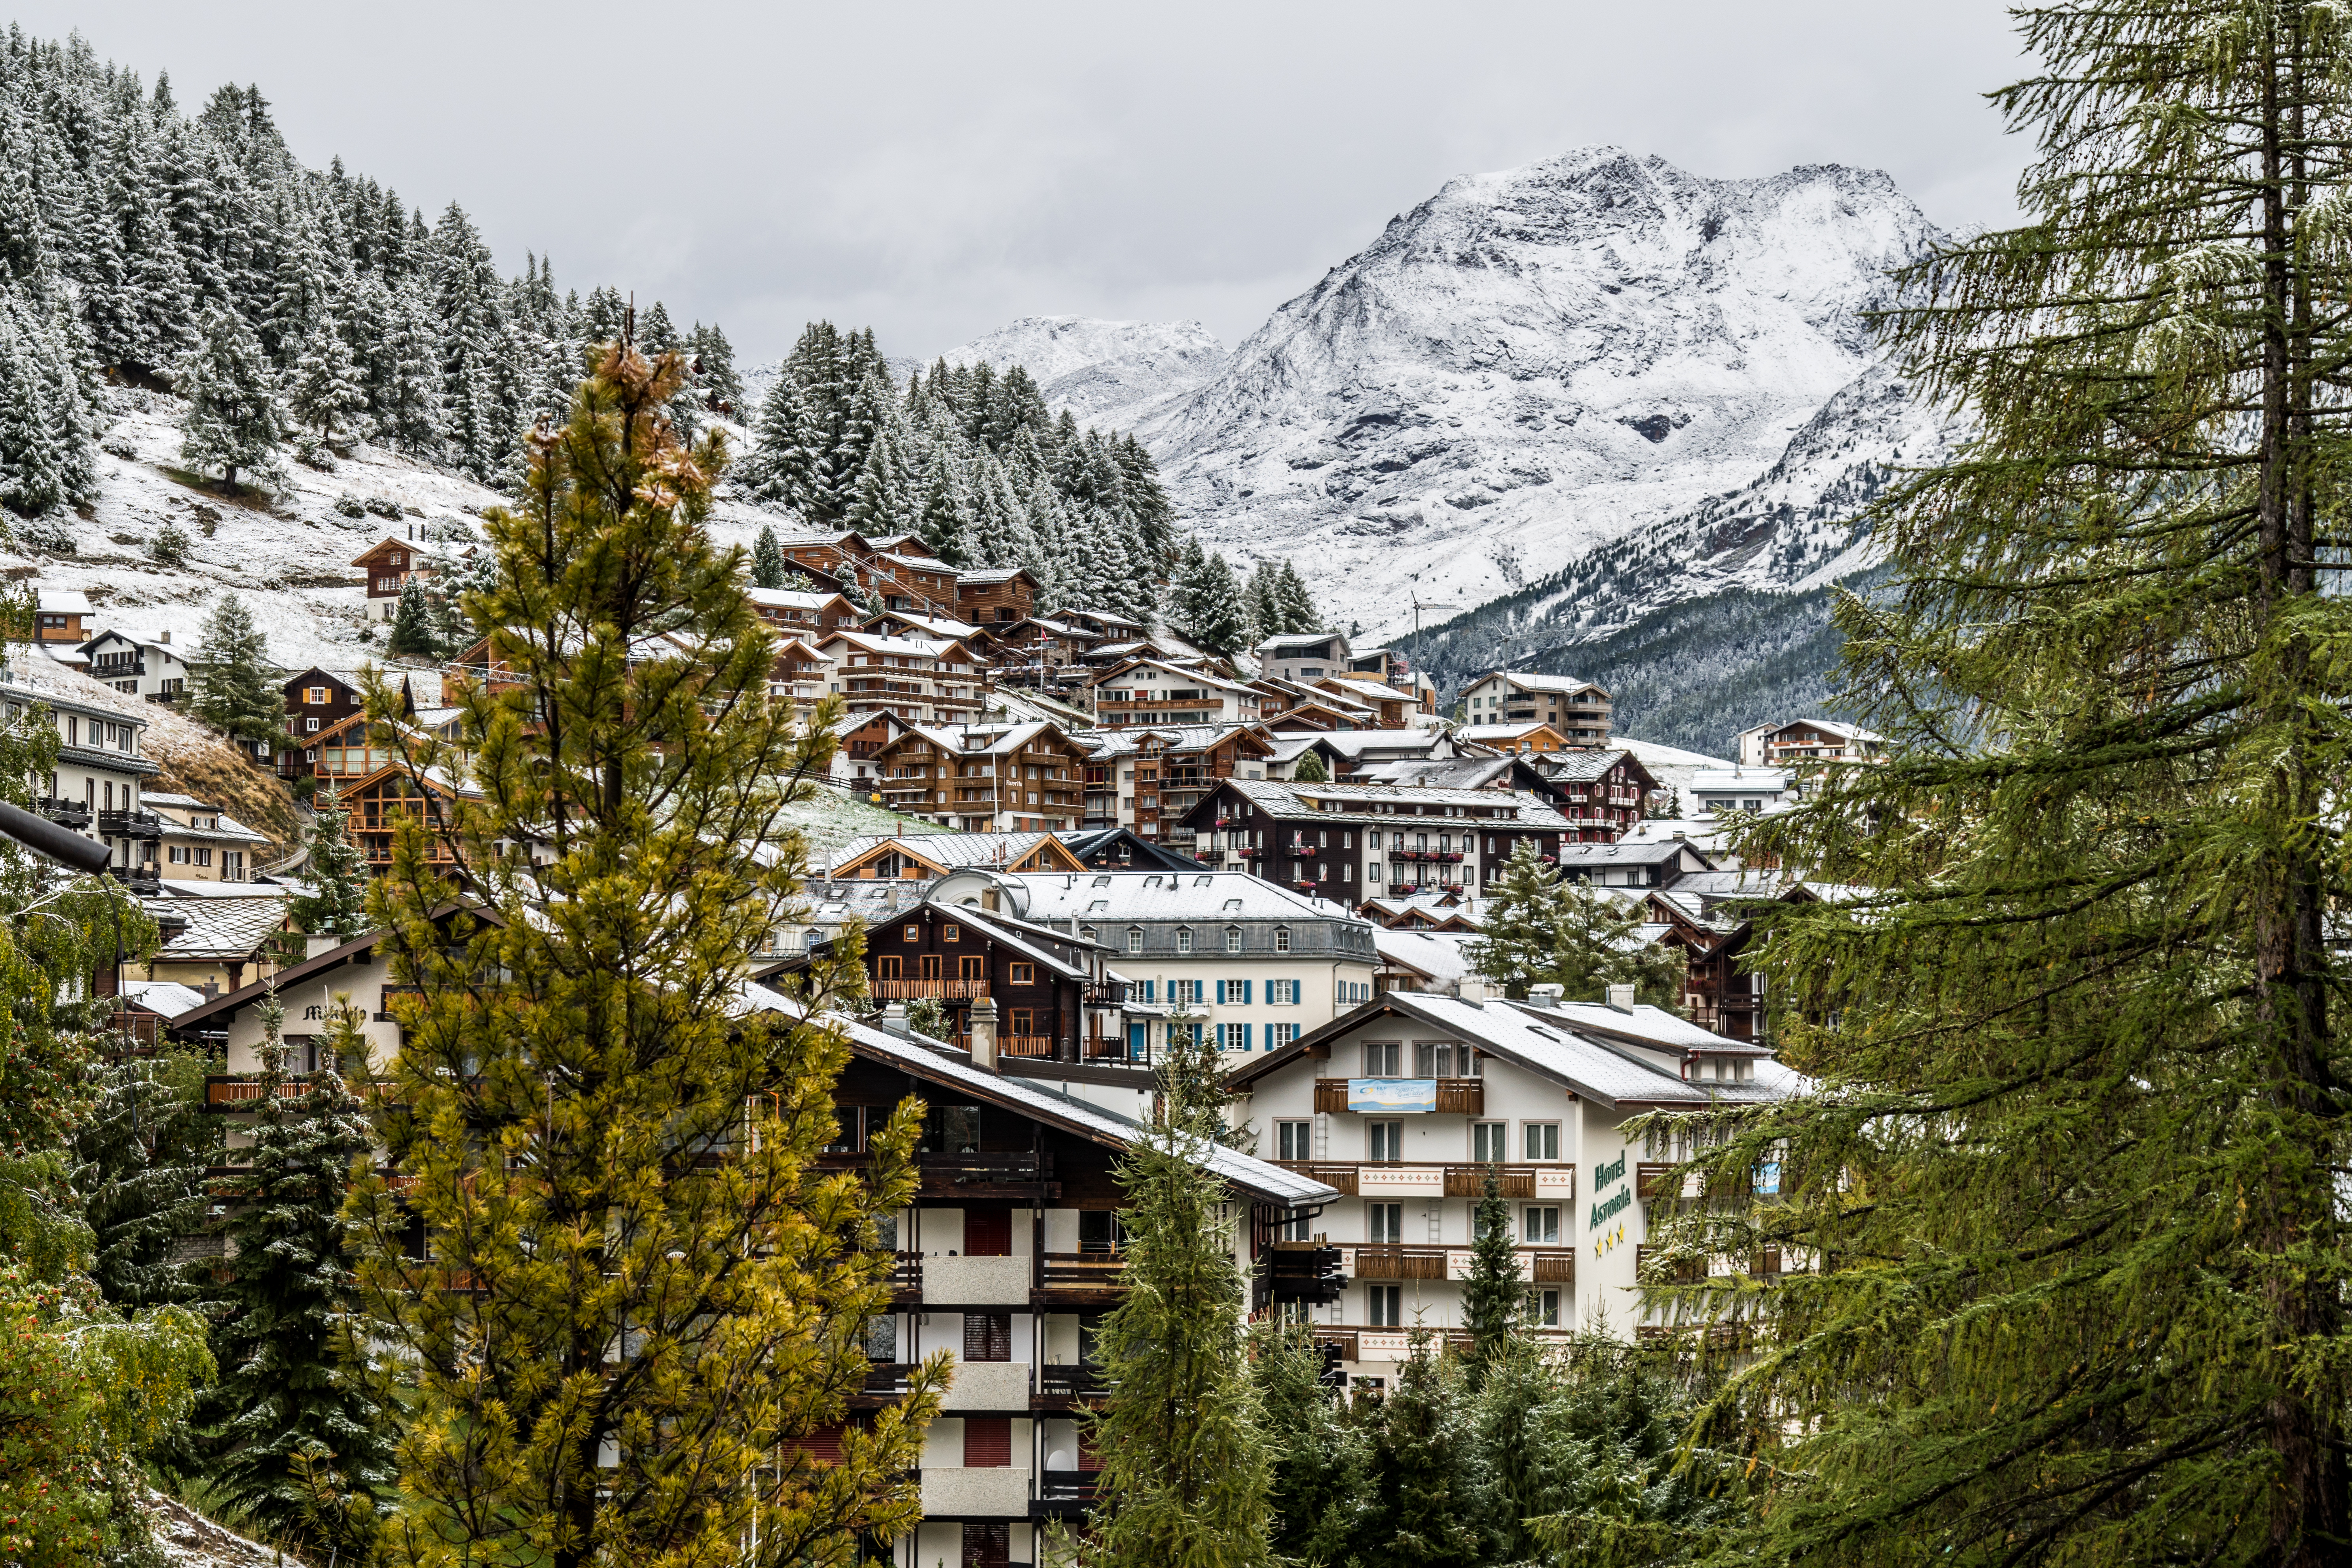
(988, 1336)
(931, 964)
(987, 1545)
(988, 1232)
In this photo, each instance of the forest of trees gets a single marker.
(173, 247)
(976, 464)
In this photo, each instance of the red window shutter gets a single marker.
(988, 1232)
(988, 1336)
(988, 1441)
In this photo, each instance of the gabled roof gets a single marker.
(937, 1062)
(165, 998)
(1188, 674)
(989, 576)
(1628, 852)
(1366, 690)
(1291, 799)
(218, 928)
(1531, 681)
(61, 601)
(1130, 849)
(1558, 1045)
(1200, 897)
(941, 853)
(1830, 726)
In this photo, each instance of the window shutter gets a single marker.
(988, 1336)
(1246, 993)
(1220, 990)
(1246, 1036)
(988, 1441)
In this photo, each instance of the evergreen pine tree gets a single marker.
(574, 1142)
(290, 1374)
(1316, 1492)
(1491, 1296)
(1264, 601)
(325, 387)
(139, 1162)
(412, 625)
(1426, 1479)
(1540, 928)
(1187, 1467)
(1296, 604)
(2078, 1150)
(767, 564)
(232, 423)
(1210, 614)
(236, 692)
(336, 904)
(1309, 768)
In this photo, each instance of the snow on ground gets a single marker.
(289, 554)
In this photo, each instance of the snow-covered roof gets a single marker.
(1834, 726)
(1369, 690)
(948, 849)
(166, 997)
(63, 601)
(218, 928)
(988, 577)
(1530, 681)
(276, 888)
(790, 598)
(1626, 852)
(1288, 799)
(943, 1064)
(1488, 734)
(1439, 955)
(1089, 897)
(1731, 781)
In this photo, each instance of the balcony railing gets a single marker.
(1082, 1272)
(131, 824)
(1024, 1044)
(1389, 1261)
(1083, 1381)
(949, 990)
(64, 813)
(1454, 1096)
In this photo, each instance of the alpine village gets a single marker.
(614, 963)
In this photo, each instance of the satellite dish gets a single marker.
(1060, 1459)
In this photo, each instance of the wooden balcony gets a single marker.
(1339, 1176)
(1470, 1180)
(1455, 1096)
(1395, 1262)
(947, 990)
(1024, 1044)
(1098, 1276)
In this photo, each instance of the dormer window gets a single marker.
(1183, 939)
(1134, 939)
(1232, 939)
(1282, 939)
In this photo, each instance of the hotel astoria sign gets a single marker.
(1615, 1203)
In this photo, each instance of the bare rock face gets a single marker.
(1533, 364)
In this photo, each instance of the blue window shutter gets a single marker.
(1246, 996)
(1246, 1036)
(1220, 990)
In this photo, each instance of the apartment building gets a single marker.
(984, 778)
(1718, 792)
(806, 612)
(1153, 691)
(801, 674)
(1149, 779)
(900, 570)
(1602, 791)
(95, 786)
(1353, 841)
(1809, 740)
(201, 843)
(996, 595)
(1578, 711)
(919, 679)
(1304, 658)
(1250, 964)
(1404, 1105)
(152, 671)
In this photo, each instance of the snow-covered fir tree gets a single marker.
(233, 425)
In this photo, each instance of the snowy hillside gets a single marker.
(1533, 363)
(289, 555)
(1106, 372)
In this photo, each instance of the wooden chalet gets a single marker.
(997, 595)
(809, 612)
(1055, 996)
(925, 857)
(379, 801)
(389, 564)
(1018, 778)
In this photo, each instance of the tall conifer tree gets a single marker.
(576, 1145)
(2078, 1160)
(1186, 1464)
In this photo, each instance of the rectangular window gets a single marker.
(1386, 1304)
(1184, 990)
(951, 932)
(1433, 1058)
(1183, 941)
(203, 857)
(1234, 1037)
(1232, 939)
(1291, 1140)
(1282, 939)
(1542, 1140)
(968, 966)
(1025, 974)
(987, 1439)
(1134, 940)
(1021, 1021)
(888, 966)
(1541, 1228)
(1385, 1224)
(1280, 1035)
(1543, 1308)
(1381, 1058)
(914, 934)
(1490, 1141)
(1384, 1141)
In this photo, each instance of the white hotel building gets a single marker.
(1403, 1104)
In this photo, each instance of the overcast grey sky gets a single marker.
(937, 169)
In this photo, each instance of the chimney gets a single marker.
(164, 638)
(1621, 998)
(1547, 994)
(894, 1020)
(983, 1034)
(313, 945)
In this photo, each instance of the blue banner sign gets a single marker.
(1392, 1096)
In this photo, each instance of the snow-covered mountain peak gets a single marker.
(1532, 363)
(1106, 372)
